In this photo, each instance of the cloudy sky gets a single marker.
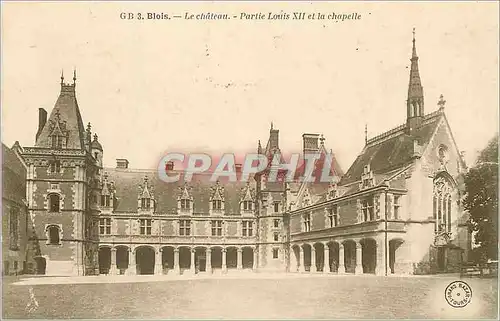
(152, 86)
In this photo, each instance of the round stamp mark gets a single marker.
(458, 294)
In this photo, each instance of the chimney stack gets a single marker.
(169, 166)
(121, 163)
(42, 119)
(310, 143)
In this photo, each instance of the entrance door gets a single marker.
(441, 253)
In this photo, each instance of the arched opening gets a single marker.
(320, 256)
(167, 259)
(231, 257)
(333, 251)
(54, 234)
(104, 260)
(350, 256)
(200, 259)
(247, 257)
(122, 259)
(54, 203)
(216, 258)
(145, 260)
(369, 255)
(184, 258)
(395, 247)
(41, 265)
(307, 257)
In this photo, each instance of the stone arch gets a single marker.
(200, 259)
(231, 257)
(396, 256)
(184, 258)
(145, 259)
(295, 258)
(349, 256)
(216, 254)
(307, 251)
(104, 259)
(122, 258)
(319, 249)
(333, 257)
(167, 258)
(369, 255)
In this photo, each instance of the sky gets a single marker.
(153, 86)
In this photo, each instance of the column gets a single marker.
(193, 263)
(326, 259)
(255, 258)
(224, 268)
(313, 259)
(177, 269)
(131, 270)
(208, 262)
(301, 260)
(158, 263)
(341, 266)
(239, 265)
(380, 263)
(112, 268)
(359, 259)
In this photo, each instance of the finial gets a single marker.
(95, 137)
(441, 102)
(271, 125)
(62, 76)
(414, 50)
(322, 140)
(366, 133)
(413, 34)
(74, 76)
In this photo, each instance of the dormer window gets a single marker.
(145, 203)
(217, 199)
(146, 198)
(366, 178)
(247, 199)
(107, 192)
(105, 200)
(247, 205)
(57, 142)
(185, 204)
(217, 204)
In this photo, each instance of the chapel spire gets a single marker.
(415, 101)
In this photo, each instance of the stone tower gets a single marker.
(62, 179)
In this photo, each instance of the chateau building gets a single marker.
(396, 209)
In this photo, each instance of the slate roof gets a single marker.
(391, 150)
(66, 108)
(13, 176)
(128, 181)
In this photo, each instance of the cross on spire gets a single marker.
(441, 102)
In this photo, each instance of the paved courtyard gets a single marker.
(251, 296)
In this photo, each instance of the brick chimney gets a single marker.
(310, 143)
(121, 163)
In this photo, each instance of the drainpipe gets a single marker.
(386, 247)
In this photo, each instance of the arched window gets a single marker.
(54, 234)
(442, 205)
(54, 203)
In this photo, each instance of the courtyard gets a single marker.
(252, 296)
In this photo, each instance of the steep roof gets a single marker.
(391, 150)
(66, 118)
(13, 176)
(128, 181)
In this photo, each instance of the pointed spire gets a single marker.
(271, 125)
(74, 76)
(415, 101)
(62, 76)
(95, 137)
(259, 148)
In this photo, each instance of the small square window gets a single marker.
(276, 207)
(276, 237)
(275, 253)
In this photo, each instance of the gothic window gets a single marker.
(247, 205)
(105, 200)
(55, 167)
(217, 204)
(333, 217)
(54, 236)
(185, 227)
(367, 209)
(306, 218)
(247, 229)
(14, 228)
(145, 203)
(54, 203)
(216, 228)
(443, 154)
(104, 226)
(217, 198)
(185, 204)
(145, 226)
(185, 199)
(247, 199)
(145, 197)
(442, 205)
